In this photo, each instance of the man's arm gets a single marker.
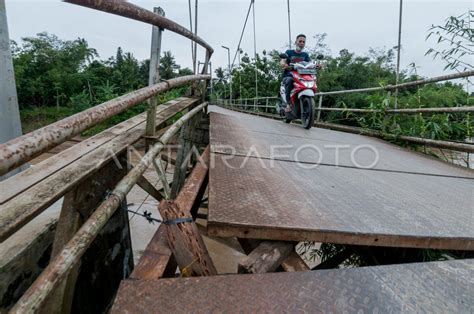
(283, 64)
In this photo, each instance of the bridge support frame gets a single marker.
(266, 256)
(102, 260)
(153, 78)
(190, 136)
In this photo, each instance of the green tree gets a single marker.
(456, 41)
(49, 70)
(168, 66)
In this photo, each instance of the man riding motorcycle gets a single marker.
(294, 56)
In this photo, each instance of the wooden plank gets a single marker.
(23, 257)
(26, 205)
(185, 242)
(78, 205)
(15, 185)
(184, 239)
(157, 260)
(280, 200)
(435, 287)
(63, 146)
(191, 193)
(265, 258)
(106, 262)
(60, 300)
(294, 262)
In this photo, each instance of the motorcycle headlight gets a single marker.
(308, 84)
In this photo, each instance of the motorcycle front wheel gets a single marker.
(307, 116)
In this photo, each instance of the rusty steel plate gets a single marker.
(281, 200)
(438, 287)
(246, 135)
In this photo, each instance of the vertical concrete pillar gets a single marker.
(10, 125)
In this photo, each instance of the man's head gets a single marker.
(300, 42)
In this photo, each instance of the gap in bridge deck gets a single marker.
(225, 253)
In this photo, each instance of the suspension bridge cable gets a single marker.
(399, 46)
(289, 25)
(195, 32)
(242, 34)
(191, 30)
(255, 49)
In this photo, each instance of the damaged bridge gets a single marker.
(234, 174)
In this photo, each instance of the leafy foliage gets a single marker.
(350, 71)
(456, 38)
(67, 75)
(373, 256)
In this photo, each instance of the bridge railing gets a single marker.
(268, 105)
(81, 179)
(22, 149)
(263, 102)
(59, 268)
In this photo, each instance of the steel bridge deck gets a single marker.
(301, 190)
(440, 287)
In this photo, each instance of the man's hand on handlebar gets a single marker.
(288, 67)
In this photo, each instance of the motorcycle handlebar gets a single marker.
(291, 66)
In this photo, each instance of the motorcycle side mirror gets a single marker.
(320, 57)
(283, 56)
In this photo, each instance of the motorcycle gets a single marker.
(302, 94)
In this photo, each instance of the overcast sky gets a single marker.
(354, 25)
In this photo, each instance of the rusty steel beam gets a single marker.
(388, 87)
(432, 80)
(403, 85)
(191, 193)
(458, 146)
(132, 11)
(404, 111)
(22, 149)
(157, 261)
(59, 267)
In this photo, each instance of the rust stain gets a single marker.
(24, 148)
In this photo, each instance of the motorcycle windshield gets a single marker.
(306, 71)
(305, 67)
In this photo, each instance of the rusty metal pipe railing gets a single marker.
(403, 111)
(388, 87)
(457, 146)
(460, 109)
(132, 11)
(22, 149)
(403, 85)
(58, 268)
